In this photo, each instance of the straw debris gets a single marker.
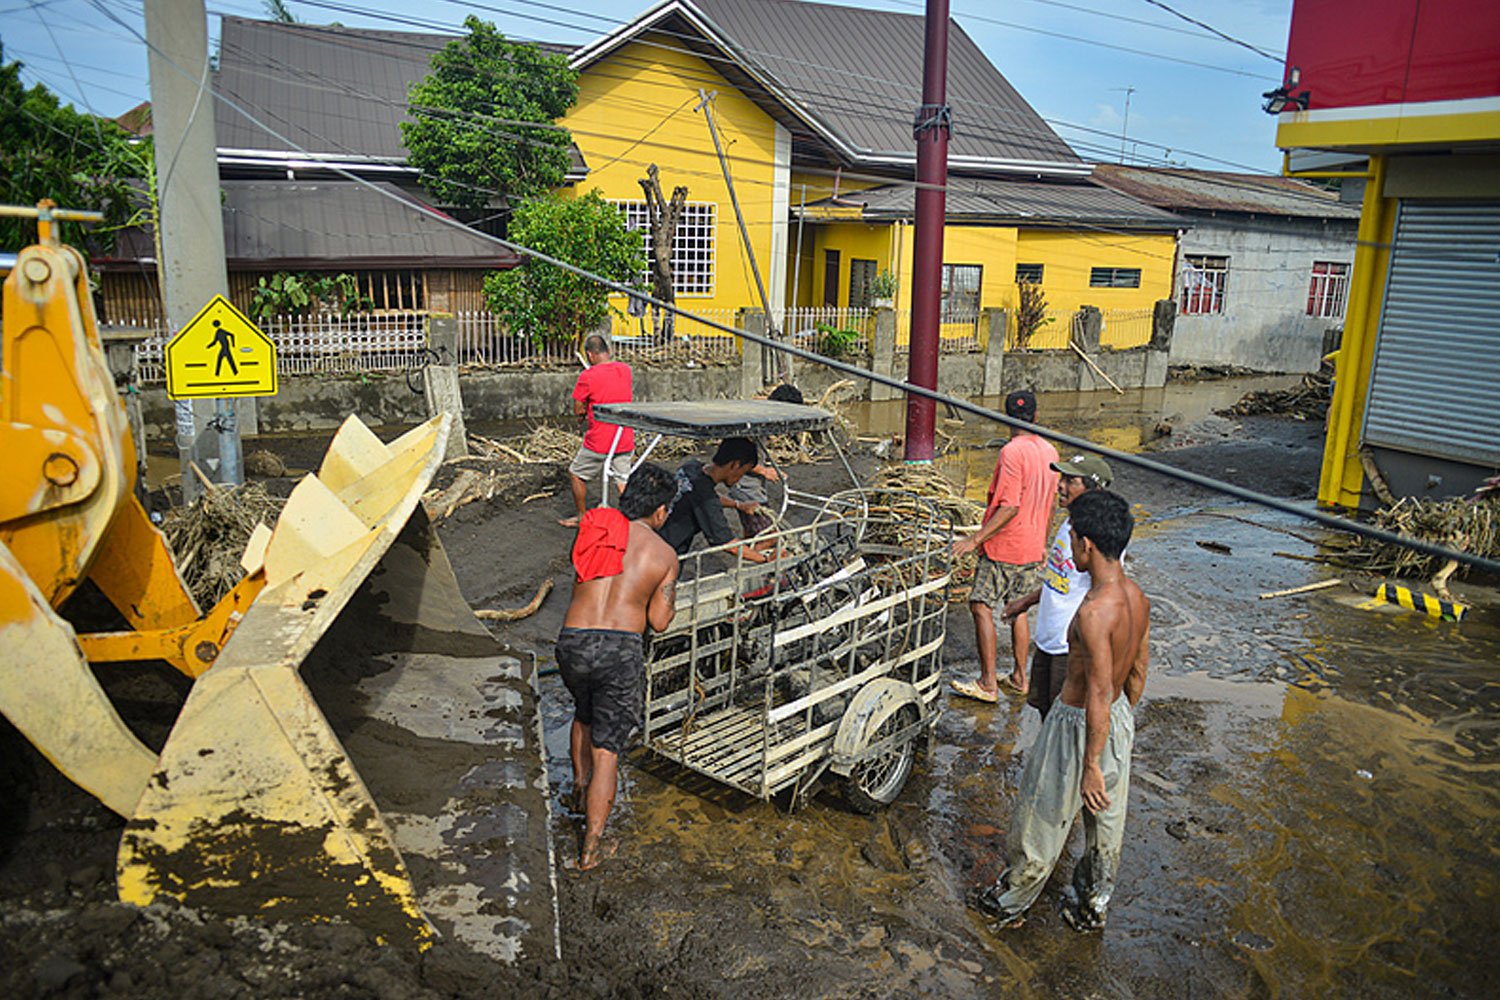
(1307, 401)
(893, 486)
(207, 537)
(1469, 524)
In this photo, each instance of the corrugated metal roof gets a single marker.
(860, 71)
(329, 90)
(1025, 202)
(332, 91)
(340, 224)
(1183, 190)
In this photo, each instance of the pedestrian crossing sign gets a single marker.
(220, 353)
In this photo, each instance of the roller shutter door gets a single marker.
(1435, 386)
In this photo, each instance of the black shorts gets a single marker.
(1048, 671)
(605, 672)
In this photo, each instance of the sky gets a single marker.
(1194, 97)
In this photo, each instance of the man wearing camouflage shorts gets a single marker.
(1011, 541)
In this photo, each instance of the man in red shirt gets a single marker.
(1012, 540)
(603, 381)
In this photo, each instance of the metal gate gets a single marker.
(1435, 384)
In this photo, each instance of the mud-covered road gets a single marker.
(1314, 810)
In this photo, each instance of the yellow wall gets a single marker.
(642, 89)
(1066, 258)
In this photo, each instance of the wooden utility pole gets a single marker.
(931, 130)
(662, 217)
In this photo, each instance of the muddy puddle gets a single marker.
(1314, 809)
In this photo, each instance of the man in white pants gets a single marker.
(1064, 586)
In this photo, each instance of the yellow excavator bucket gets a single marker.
(348, 633)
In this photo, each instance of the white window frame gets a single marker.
(1205, 278)
(694, 248)
(1328, 291)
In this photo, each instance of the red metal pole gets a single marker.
(931, 132)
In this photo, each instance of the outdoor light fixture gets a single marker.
(1281, 98)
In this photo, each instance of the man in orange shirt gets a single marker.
(1012, 540)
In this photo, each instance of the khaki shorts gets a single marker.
(996, 583)
(589, 465)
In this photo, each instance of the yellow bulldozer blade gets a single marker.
(255, 805)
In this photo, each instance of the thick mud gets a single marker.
(1314, 808)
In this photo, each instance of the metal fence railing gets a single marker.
(958, 333)
(1053, 333)
(688, 338)
(484, 340)
(819, 328)
(1124, 328)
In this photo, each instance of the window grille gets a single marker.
(961, 291)
(861, 276)
(393, 290)
(1328, 290)
(1031, 274)
(1203, 282)
(1115, 277)
(692, 246)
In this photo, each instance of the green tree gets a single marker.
(464, 135)
(547, 303)
(48, 150)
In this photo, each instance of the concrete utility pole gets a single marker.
(192, 270)
(931, 130)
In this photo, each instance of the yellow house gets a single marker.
(814, 104)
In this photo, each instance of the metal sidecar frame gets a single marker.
(825, 660)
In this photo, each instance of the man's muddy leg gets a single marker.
(986, 640)
(1048, 801)
(581, 748)
(580, 499)
(1103, 833)
(601, 800)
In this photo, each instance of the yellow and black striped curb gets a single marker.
(1415, 600)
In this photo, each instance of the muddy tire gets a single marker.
(875, 783)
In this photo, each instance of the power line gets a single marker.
(1216, 32)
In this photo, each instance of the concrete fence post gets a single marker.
(997, 326)
(751, 376)
(1163, 321)
(883, 352)
(440, 380)
(1089, 329)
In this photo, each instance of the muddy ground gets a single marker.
(1314, 810)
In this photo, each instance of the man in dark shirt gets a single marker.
(698, 509)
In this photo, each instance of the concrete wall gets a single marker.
(1264, 325)
(308, 404)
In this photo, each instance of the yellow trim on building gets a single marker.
(1475, 126)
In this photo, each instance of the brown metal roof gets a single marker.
(1027, 203)
(336, 92)
(333, 224)
(860, 72)
(1197, 191)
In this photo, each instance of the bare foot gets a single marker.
(596, 852)
(568, 522)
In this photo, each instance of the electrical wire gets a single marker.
(1216, 32)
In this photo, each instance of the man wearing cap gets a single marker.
(1064, 586)
(1011, 541)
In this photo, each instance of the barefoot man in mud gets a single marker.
(1082, 755)
(626, 578)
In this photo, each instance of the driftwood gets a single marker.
(1320, 585)
(516, 614)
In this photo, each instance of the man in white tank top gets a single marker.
(1064, 586)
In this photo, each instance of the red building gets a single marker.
(1408, 91)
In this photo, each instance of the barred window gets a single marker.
(1115, 277)
(1328, 290)
(1203, 281)
(1030, 274)
(692, 247)
(961, 291)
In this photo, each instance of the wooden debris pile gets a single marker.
(208, 537)
(1470, 524)
(894, 483)
(1307, 401)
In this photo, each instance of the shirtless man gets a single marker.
(626, 578)
(1082, 756)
